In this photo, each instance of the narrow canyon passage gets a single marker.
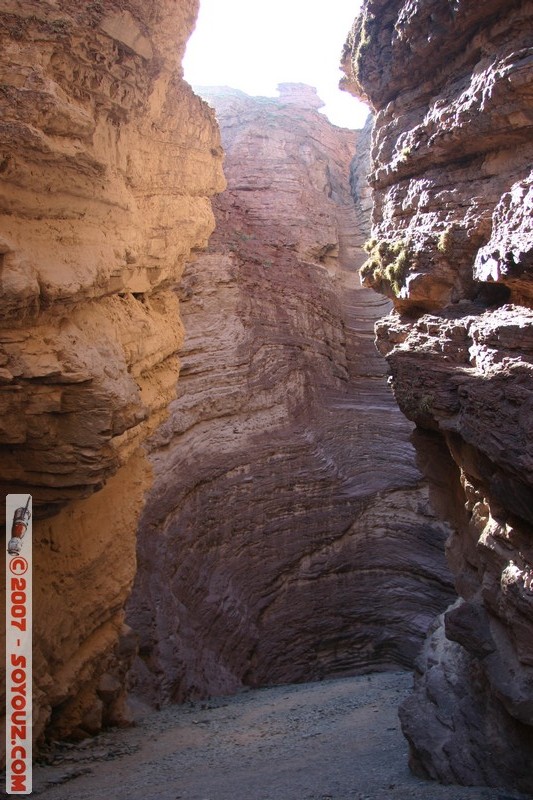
(288, 535)
(332, 475)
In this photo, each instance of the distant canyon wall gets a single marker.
(107, 163)
(288, 535)
(452, 246)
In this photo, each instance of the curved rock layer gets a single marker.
(288, 536)
(107, 163)
(452, 245)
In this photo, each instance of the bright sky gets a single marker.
(253, 46)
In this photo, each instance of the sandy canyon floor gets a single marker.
(334, 740)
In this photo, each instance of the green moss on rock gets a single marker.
(387, 265)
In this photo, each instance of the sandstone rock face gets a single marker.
(288, 535)
(107, 163)
(452, 245)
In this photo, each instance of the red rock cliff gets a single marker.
(452, 244)
(288, 536)
(107, 163)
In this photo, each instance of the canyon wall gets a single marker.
(452, 246)
(107, 163)
(288, 535)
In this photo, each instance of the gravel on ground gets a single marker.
(332, 740)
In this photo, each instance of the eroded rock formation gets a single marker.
(452, 244)
(107, 163)
(288, 535)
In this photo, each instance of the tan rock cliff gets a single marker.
(288, 534)
(107, 163)
(452, 243)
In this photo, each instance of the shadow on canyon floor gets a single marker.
(334, 740)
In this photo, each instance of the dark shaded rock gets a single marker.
(451, 246)
(457, 730)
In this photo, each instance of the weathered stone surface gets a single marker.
(452, 244)
(507, 258)
(107, 163)
(469, 736)
(288, 535)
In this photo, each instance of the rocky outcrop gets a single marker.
(108, 160)
(288, 535)
(451, 245)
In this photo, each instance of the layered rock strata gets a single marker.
(288, 535)
(107, 163)
(452, 246)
